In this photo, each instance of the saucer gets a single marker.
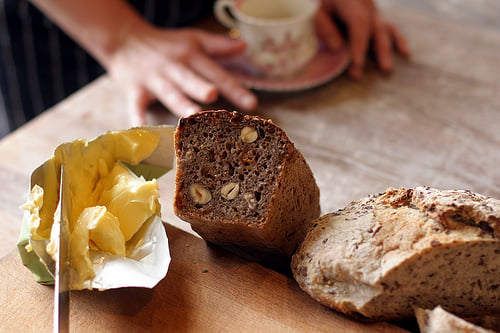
(325, 66)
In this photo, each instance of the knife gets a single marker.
(62, 276)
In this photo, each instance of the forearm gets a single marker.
(99, 26)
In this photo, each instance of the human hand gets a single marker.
(364, 25)
(176, 68)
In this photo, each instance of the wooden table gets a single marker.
(435, 121)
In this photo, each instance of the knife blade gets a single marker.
(62, 274)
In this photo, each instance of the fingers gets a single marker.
(171, 96)
(179, 73)
(365, 25)
(359, 27)
(225, 82)
(327, 31)
(220, 46)
(190, 83)
(386, 38)
(138, 100)
(399, 41)
(357, 17)
(382, 43)
(182, 82)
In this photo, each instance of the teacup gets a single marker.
(280, 34)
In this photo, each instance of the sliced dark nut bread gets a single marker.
(438, 320)
(381, 256)
(242, 184)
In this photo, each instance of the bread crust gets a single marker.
(384, 254)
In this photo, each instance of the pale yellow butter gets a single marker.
(107, 204)
(130, 198)
(33, 205)
(104, 230)
(125, 203)
(79, 253)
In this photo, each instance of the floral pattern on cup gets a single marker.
(276, 46)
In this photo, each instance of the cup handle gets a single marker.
(221, 8)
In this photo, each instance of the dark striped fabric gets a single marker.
(40, 65)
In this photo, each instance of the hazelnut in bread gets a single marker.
(242, 184)
(383, 255)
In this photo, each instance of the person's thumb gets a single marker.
(219, 45)
(138, 100)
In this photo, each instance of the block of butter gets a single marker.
(116, 235)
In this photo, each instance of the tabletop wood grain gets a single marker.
(206, 290)
(434, 121)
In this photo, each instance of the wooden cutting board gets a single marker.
(206, 290)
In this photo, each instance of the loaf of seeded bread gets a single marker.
(438, 320)
(242, 184)
(381, 256)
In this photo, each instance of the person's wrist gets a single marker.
(121, 39)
